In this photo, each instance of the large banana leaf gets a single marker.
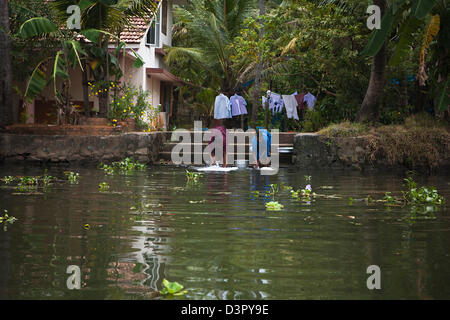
(406, 39)
(74, 48)
(421, 8)
(37, 27)
(139, 62)
(432, 30)
(83, 4)
(37, 82)
(59, 69)
(379, 36)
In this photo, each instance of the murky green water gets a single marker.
(217, 239)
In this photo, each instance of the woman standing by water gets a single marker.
(217, 124)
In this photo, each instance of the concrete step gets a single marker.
(284, 137)
(283, 158)
(286, 141)
(186, 146)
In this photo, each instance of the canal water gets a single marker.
(217, 239)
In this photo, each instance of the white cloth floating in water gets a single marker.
(266, 169)
(216, 169)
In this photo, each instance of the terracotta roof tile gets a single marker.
(135, 33)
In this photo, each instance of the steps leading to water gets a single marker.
(241, 148)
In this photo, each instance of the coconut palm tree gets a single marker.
(212, 25)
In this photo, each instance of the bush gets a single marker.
(345, 129)
(132, 103)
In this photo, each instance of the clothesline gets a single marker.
(291, 103)
(226, 108)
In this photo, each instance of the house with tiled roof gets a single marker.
(147, 39)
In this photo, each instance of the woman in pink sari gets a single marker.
(218, 125)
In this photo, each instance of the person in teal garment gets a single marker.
(256, 149)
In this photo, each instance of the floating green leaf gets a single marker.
(172, 288)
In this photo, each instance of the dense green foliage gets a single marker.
(322, 47)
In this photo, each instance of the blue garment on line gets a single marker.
(276, 102)
(222, 107)
(310, 100)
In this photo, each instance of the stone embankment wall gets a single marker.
(313, 150)
(144, 147)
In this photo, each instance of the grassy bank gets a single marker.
(420, 141)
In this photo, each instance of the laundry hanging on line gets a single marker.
(277, 102)
(222, 107)
(238, 105)
(291, 105)
(310, 100)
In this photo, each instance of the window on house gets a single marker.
(164, 18)
(153, 34)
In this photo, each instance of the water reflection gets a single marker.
(217, 239)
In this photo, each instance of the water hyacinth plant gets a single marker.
(72, 177)
(274, 206)
(193, 177)
(27, 183)
(422, 195)
(103, 186)
(8, 179)
(125, 166)
(172, 288)
(273, 189)
(6, 219)
(47, 179)
(303, 194)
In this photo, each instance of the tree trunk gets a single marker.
(257, 88)
(103, 99)
(87, 109)
(103, 103)
(6, 101)
(370, 108)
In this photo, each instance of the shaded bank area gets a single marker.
(144, 147)
(417, 145)
(348, 145)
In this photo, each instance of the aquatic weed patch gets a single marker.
(122, 167)
(29, 183)
(193, 177)
(7, 219)
(274, 206)
(72, 177)
(172, 288)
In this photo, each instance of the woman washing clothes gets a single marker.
(260, 147)
(218, 125)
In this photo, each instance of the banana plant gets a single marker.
(112, 17)
(71, 52)
(51, 69)
(412, 19)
